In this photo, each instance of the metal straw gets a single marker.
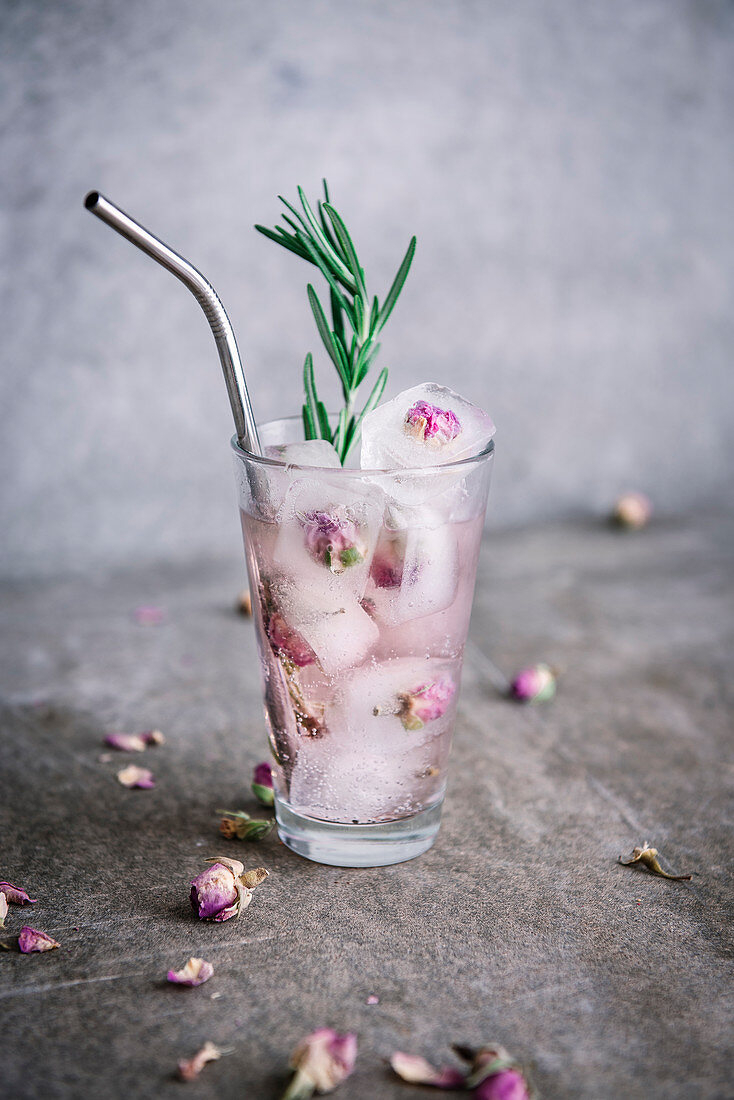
(207, 298)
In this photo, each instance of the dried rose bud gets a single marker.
(262, 784)
(132, 776)
(333, 540)
(244, 602)
(236, 824)
(534, 685)
(494, 1074)
(224, 889)
(632, 511)
(417, 1071)
(648, 857)
(430, 424)
(287, 642)
(195, 972)
(322, 1061)
(30, 939)
(388, 561)
(15, 895)
(149, 615)
(3, 910)
(190, 1068)
(426, 703)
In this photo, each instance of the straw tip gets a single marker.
(91, 200)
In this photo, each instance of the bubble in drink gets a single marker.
(423, 426)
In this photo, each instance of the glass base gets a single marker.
(358, 845)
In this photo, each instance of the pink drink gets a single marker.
(360, 686)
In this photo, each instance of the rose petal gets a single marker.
(3, 910)
(15, 895)
(125, 742)
(416, 1070)
(195, 972)
(325, 1058)
(190, 1068)
(372, 999)
(30, 939)
(133, 776)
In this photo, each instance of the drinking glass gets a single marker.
(362, 584)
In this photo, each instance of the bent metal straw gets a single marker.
(207, 298)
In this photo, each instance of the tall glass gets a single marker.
(362, 585)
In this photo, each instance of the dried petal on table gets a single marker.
(30, 939)
(15, 895)
(238, 825)
(244, 602)
(632, 511)
(149, 615)
(372, 999)
(134, 742)
(321, 1061)
(224, 889)
(3, 910)
(417, 1071)
(648, 857)
(195, 972)
(262, 783)
(190, 1068)
(535, 684)
(132, 776)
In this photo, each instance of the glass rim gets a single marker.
(340, 471)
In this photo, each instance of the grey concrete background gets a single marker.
(518, 926)
(568, 168)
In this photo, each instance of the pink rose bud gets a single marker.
(132, 776)
(287, 642)
(632, 510)
(494, 1074)
(428, 423)
(534, 685)
(333, 540)
(417, 1071)
(386, 570)
(262, 784)
(15, 895)
(190, 1068)
(426, 703)
(224, 889)
(30, 939)
(322, 1061)
(195, 972)
(508, 1084)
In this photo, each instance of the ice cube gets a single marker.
(414, 572)
(340, 632)
(327, 535)
(307, 452)
(423, 426)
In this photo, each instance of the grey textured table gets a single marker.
(518, 925)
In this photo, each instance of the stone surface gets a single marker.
(568, 170)
(518, 926)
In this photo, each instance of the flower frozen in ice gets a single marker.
(262, 783)
(236, 824)
(388, 562)
(426, 703)
(134, 742)
(288, 642)
(30, 939)
(133, 776)
(332, 539)
(224, 889)
(430, 424)
(534, 685)
(15, 895)
(632, 510)
(195, 972)
(190, 1068)
(321, 1062)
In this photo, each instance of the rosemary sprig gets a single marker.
(350, 339)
